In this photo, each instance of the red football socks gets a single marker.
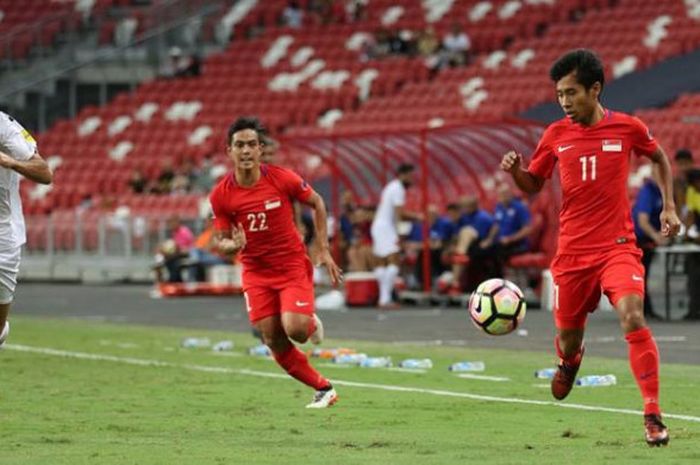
(297, 365)
(644, 361)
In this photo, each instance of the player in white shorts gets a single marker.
(18, 155)
(385, 235)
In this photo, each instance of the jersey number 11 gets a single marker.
(588, 168)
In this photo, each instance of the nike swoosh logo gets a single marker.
(564, 148)
(301, 304)
(637, 278)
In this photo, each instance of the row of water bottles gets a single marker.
(591, 380)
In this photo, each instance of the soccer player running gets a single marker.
(254, 216)
(596, 238)
(18, 155)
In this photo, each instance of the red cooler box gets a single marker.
(361, 289)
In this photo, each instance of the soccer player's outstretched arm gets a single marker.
(670, 223)
(320, 225)
(35, 168)
(231, 242)
(526, 181)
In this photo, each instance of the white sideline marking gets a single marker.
(482, 377)
(384, 387)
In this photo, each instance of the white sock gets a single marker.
(380, 273)
(392, 271)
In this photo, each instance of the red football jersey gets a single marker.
(266, 212)
(593, 166)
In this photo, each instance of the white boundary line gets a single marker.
(384, 387)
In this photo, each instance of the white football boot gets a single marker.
(324, 398)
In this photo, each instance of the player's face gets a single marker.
(245, 149)
(578, 103)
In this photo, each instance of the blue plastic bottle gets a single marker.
(597, 380)
(376, 362)
(416, 363)
(545, 373)
(468, 366)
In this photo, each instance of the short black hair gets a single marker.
(588, 67)
(684, 154)
(247, 122)
(405, 168)
(452, 206)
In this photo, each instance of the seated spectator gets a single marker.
(428, 47)
(138, 182)
(684, 163)
(293, 15)
(456, 46)
(163, 184)
(356, 10)
(173, 251)
(692, 264)
(181, 65)
(442, 230)
(647, 227)
(269, 149)
(205, 252)
(475, 246)
(514, 224)
(359, 251)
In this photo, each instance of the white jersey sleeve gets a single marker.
(15, 141)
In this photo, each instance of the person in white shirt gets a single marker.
(18, 155)
(385, 236)
(456, 46)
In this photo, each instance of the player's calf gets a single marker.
(4, 333)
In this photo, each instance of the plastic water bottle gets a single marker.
(260, 350)
(376, 362)
(350, 359)
(545, 373)
(597, 380)
(467, 366)
(223, 346)
(195, 342)
(416, 363)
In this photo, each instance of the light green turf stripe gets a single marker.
(385, 387)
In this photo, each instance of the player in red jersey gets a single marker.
(254, 216)
(596, 247)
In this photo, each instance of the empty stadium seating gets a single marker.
(298, 79)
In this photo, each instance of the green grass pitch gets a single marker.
(86, 393)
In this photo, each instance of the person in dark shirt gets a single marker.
(647, 228)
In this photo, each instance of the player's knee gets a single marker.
(632, 321)
(6, 295)
(631, 312)
(297, 333)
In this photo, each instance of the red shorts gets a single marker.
(579, 280)
(268, 294)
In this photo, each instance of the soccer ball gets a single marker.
(497, 307)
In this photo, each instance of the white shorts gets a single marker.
(9, 267)
(385, 241)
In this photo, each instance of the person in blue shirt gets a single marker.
(443, 229)
(475, 246)
(514, 223)
(647, 227)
